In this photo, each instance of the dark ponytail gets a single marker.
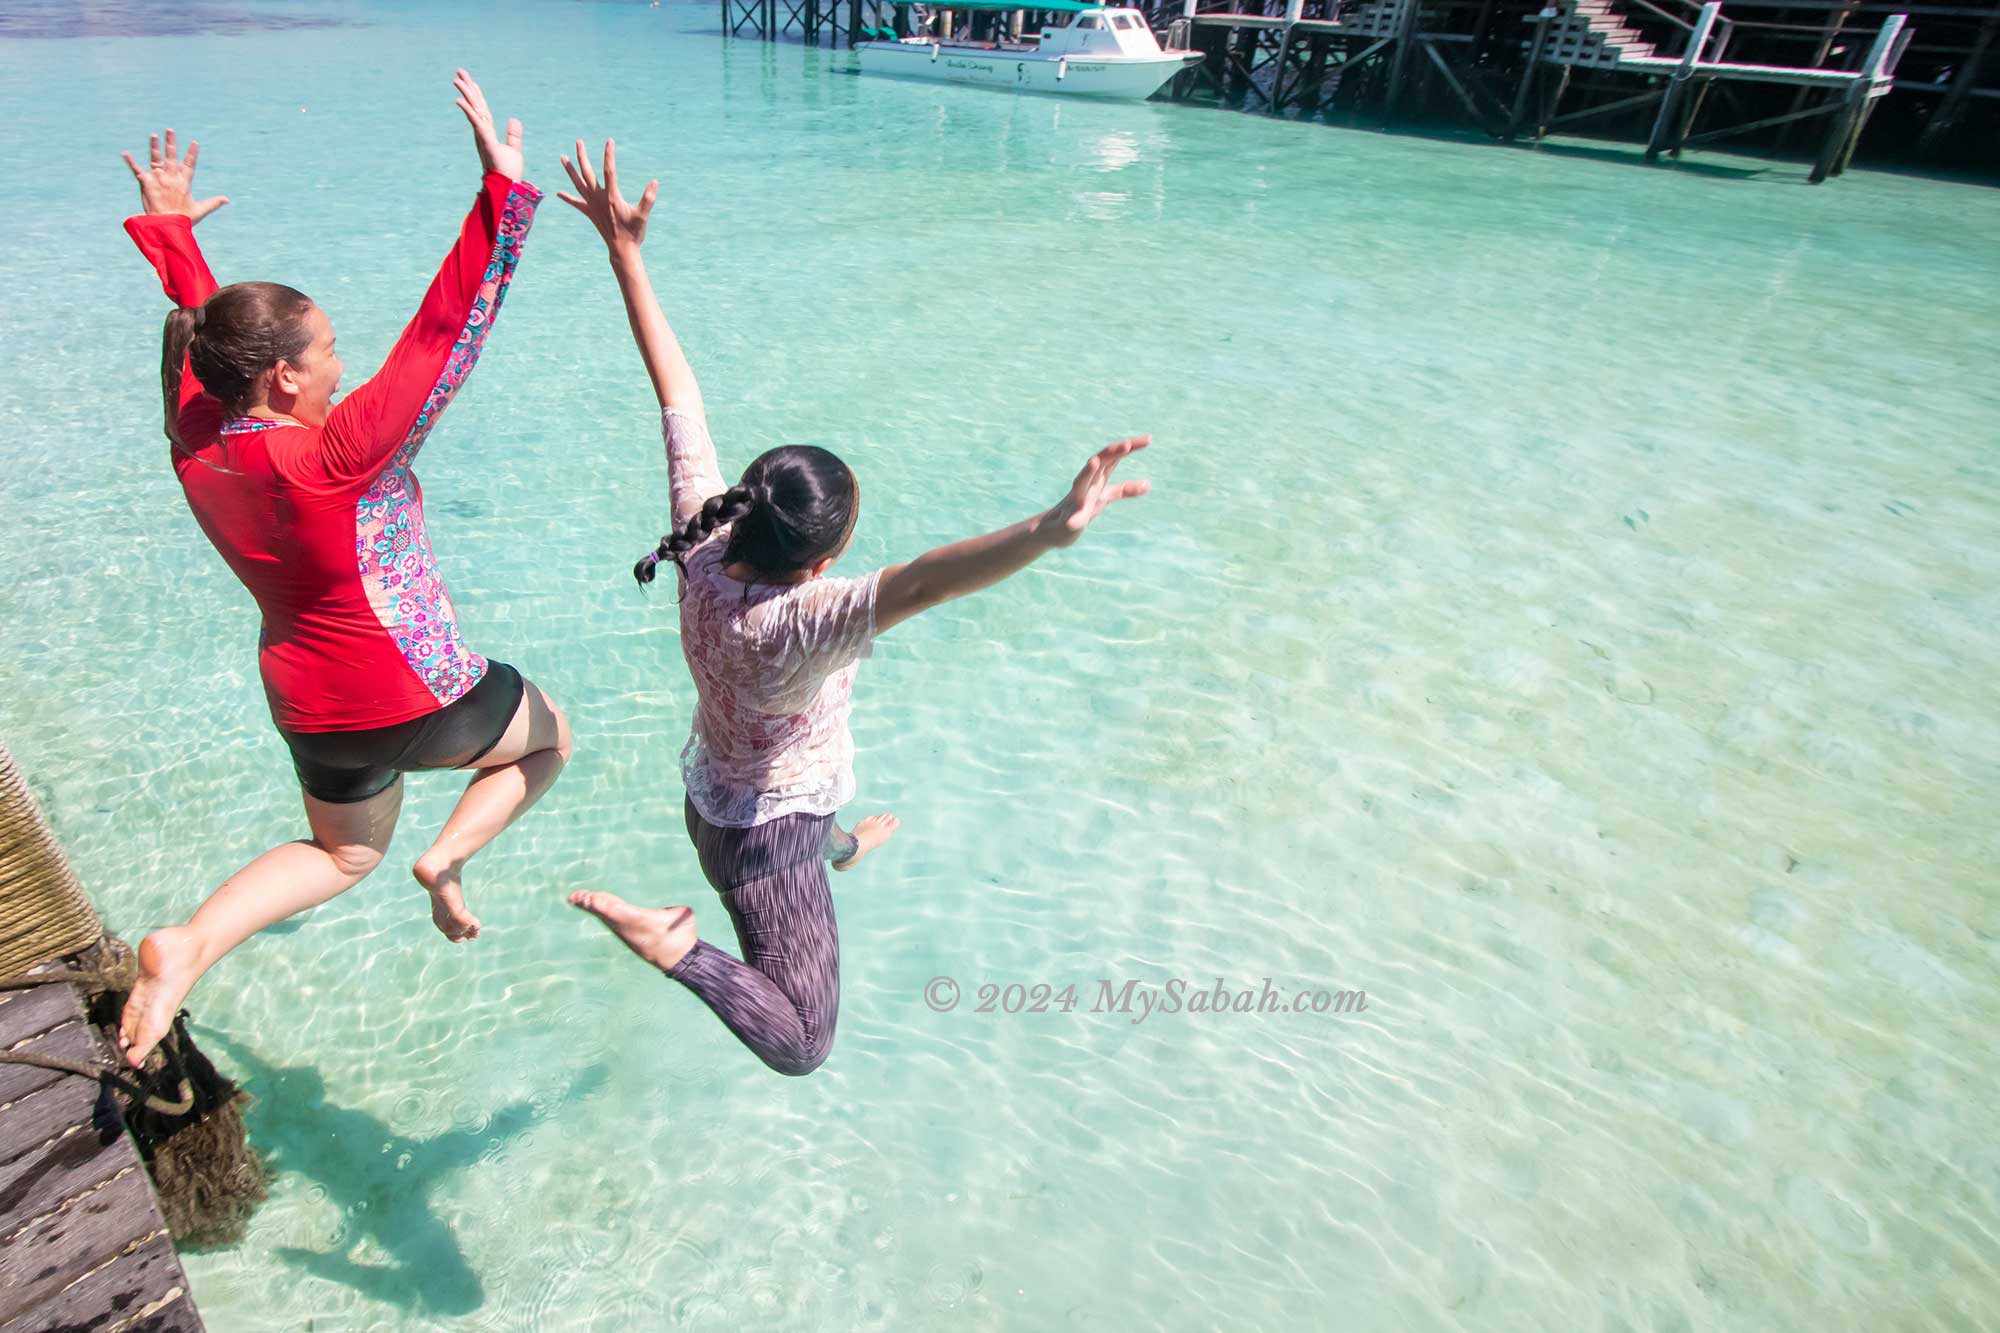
(173, 357)
(229, 340)
(795, 505)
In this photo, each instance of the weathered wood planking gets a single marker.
(82, 1244)
(47, 1020)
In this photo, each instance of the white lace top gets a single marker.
(773, 666)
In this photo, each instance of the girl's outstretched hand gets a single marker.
(167, 183)
(1092, 491)
(619, 223)
(494, 155)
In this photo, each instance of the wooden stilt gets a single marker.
(1214, 66)
(1837, 134)
(1875, 82)
(1552, 101)
(1832, 30)
(1240, 51)
(1528, 73)
(1883, 57)
(1315, 73)
(1700, 91)
(1677, 86)
(1406, 29)
(1294, 10)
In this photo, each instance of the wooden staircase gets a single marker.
(1590, 33)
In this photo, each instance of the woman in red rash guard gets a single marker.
(314, 507)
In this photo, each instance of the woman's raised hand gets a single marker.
(619, 223)
(1092, 491)
(494, 154)
(166, 185)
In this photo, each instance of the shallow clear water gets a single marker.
(1565, 610)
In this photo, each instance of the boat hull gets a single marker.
(1129, 77)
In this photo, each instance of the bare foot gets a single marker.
(870, 833)
(660, 935)
(169, 965)
(440, 877)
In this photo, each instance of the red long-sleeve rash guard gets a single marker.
(325, 526)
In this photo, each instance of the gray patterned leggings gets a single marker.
(782, 997)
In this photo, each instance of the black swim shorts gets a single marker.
(342, 767)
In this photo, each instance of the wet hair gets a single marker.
(229, 340)
(796, 504)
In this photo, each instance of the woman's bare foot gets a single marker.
(869, 834)
(169, 965)
(660, 935)
(440, 877)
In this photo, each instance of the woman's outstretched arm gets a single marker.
(385, 421)
(964, 567)
(693, 474)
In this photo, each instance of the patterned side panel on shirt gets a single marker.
(390, 544)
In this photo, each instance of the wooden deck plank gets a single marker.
(82, 1243)
(74, 1162)
(34, 1121)
(47, 1254)
(23, 1084)
(33, 1010)
(141, 1292)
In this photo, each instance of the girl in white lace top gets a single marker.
(773, 644)
(773, 663)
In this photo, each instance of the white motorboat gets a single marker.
(1103, 52)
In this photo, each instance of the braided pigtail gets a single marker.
(730, 506)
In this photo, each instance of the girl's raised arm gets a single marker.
(693, 475)
(963, 567)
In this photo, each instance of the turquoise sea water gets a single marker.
(1566, 610)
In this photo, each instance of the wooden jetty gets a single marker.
(1507, 65)
(82, 1241)
(1671, 74)
(1298, 50)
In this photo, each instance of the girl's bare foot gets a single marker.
(869, 834)
(440, 877)
(660, 935)
(169, 965)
